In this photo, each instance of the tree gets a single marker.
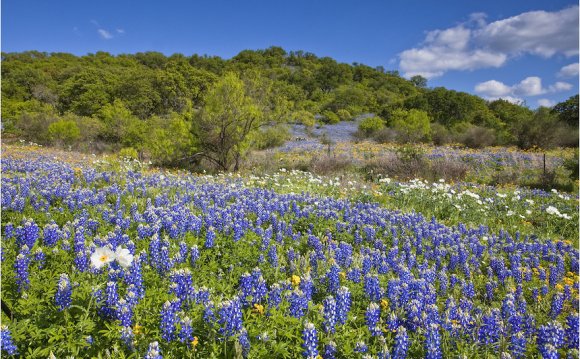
(412, 125)
(64, 131)
(567, 111)
(225, 124)
(370, 125)
(419, 81)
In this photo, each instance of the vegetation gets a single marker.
(137, 100)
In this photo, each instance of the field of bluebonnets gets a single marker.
(106, 258)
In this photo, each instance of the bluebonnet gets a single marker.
(194, 255)
(244, 341)
(557, 304)
(63, 293)
(548, 351)
(372, 288)
(210, 238)
(572, 321)
(551, 334)
(361, 347)
(310, 339)
(50, 234)
(168, 321)
(433, 342)
(329, 351)
(154, 352)
(186, 331)
(125, 312)
(6, 342)
(21, 267)
(333, 279)
(275, 296)
(298, 303)
(343, 304)
(329, 313)
(401, 344)
(273, 256)
(127, 336)
(517, 345)
(372, 319)
(230, 317)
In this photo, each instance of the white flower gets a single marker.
(102, 256)
(528, 212)
(553, 210)
(123, 257)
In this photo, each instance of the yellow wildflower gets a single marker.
(295, 280)
(258, 308)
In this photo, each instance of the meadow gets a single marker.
(103, 257)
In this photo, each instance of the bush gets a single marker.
(477, 137)
(412, 125)
(304, 117)
(344, 115)
(440, 135)
(370, 125)
(272, 137)
(128, 153)
(170, 141)
(325, 165)
(330, 117)
(64, 132)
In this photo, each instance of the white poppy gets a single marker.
(124, 257)
(102, 256)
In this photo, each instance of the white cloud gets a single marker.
(571, 70)
(530, 86)
(512, 99)
(545, 102)
(493, 88)
(105, 34)
(560, 86)
(476, 44)
(120, 31)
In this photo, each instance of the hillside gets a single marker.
(101, 102)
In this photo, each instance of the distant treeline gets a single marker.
(149, 103)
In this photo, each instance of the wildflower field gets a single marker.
(104, 258)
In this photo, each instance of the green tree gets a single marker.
(370, 125)
(225, 124)
(169, 141)
(419, 81)
(567, 111)
(412, 125)
(64, 132)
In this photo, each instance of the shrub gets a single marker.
(324, 165)
(304, 117)
(272, 137)
(128, 153)
(330, 117)
(344, 115)
(412, 125)
(440, 135)
(477, 137)
(370, 125)
(63, 132)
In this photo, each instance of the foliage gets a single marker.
(370, 125)
(225, 125)
(413, 125)
(330, 117)
(568, 111)
(257, 266)
(64, 131)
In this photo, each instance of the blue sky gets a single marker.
(519, 50)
